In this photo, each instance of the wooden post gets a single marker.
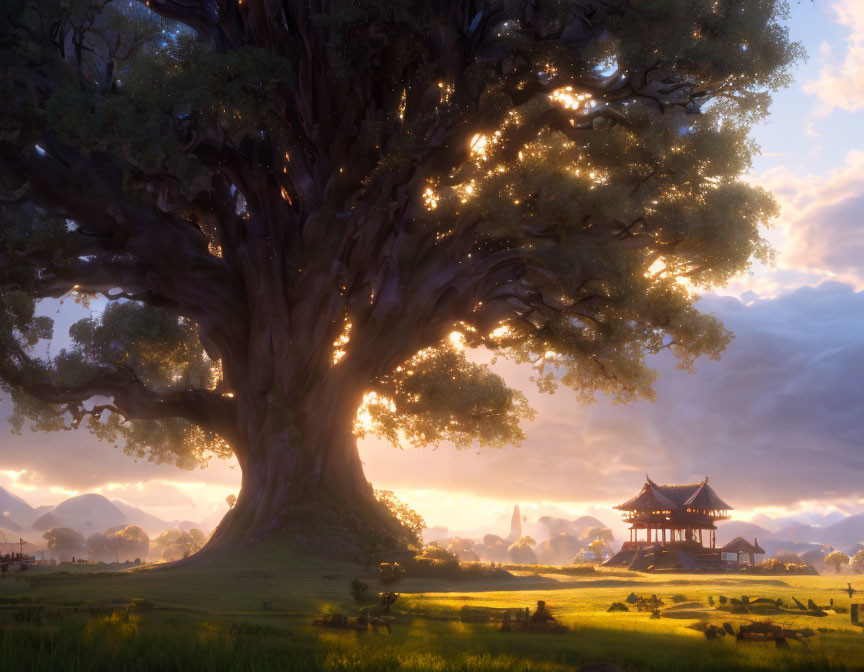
(664, 536)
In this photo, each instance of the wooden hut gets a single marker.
(739, 547)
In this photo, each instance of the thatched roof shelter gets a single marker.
(741, 545)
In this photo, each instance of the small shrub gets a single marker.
(438, 556)
(359, 591)
(141, 605)
(428, 568)
(678, 598)
(618, 606)
(390, 572)
(569, 570)
(777, 566)
(651, 604)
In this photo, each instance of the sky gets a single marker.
(776, 423)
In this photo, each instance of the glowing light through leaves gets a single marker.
(430, 199)
(567, 97)
(339, 344)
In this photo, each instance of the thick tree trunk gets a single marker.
(302, 474)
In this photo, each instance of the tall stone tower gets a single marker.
(515, 525)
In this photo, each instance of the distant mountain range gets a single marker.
(844, 533)
(91, 513)
(87, 513)
(13, 510)
(728, 530)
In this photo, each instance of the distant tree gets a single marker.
(583, 556)
(295, 211)
(598, 547)
(858, 562)
(603, 533)
(558, 549)
(493, 548)
(129, 542)
(463, 548)
(99, 547)
(177, 544)
(437, 555)
(64, 542)
(836, 559)
(198, 538)
(522, 551)
(231, 500)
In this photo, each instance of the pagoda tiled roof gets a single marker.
(653, 497)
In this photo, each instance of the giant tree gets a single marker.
(287, 211)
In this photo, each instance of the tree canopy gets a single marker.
(836, 559)
(176, 544)
(283, 212)
(64, 541)
(118, 544)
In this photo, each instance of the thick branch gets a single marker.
(208, 409)
(167, 256)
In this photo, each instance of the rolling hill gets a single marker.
(848, 532)
(729, 529)
(14, 509)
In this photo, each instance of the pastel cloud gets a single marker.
(153, 494)
(775, 422)
(821, 230)
(841, 79)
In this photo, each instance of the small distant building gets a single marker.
(739, 547)
(672, 527)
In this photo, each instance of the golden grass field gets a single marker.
(212, 619)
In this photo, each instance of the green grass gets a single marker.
(212, 619)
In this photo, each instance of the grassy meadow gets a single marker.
(212, 619)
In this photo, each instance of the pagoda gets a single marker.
(674, 522)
